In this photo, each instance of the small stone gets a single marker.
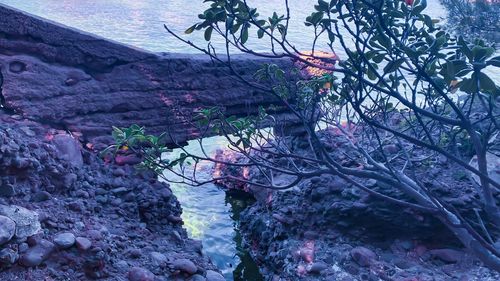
(7, 190)
(140, 274)
(41, 196)
(83, 243)
(214, 276)
(157, 259)
(127, 160)
(8, 257)
(121, 265)
(185, 265)
(198, 277)
(317, 267)
(174, 219)
(36, 255)
(119, 190)
(135, 253)
(7, 229)
(64, 240)
(363, 256)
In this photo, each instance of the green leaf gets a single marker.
(494, 61)
(393, 65)
(191, 29)
(244, 35)
(486, 84)
(208, 33)
(260, 33)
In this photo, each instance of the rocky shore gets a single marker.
(326, 229)
(66, 214)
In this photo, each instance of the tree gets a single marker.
(475, 18)
(402, 82)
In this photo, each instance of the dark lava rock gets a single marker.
(185, 265)
(140, 274)
(64, 240)
(7, 229)
(363, 256)
(36, 255)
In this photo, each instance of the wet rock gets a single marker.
(36, 255)
(214, 276)
(140, 274)
(363, 256)
(27, 223)
(7, 229)
(83, 243)
(185, 265)
(447, 255)
(64, 240)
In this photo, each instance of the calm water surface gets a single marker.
(209, 214)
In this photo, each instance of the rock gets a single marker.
(127, 160)
(317, 267)
(121, 265)
(64, 240)
(198, 277)
(493, 166)
(7, 190)
(41, 196)
(214, 276)
(174, 219)
(157, 259)
(36, 255)
(27, 223)
(363, 256)
(8, 257)
(185, 265)
(68, 149)
(447, 255)
(83, 243)
(7, 229)
(140, 274)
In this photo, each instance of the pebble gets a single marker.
(157, 259)
(83, 243)
(185, 265)
(317, 267)
(7, 229)
(64, 240)
(363, 256)
(140, 274)
(41, 196)
(8, 257)
(214, 276)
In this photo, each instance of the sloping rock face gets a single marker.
(80, 82)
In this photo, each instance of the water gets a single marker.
(212, 216)
(209, 214)
(140, 22)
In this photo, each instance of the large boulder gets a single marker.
(27, 223)
(7, 229)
